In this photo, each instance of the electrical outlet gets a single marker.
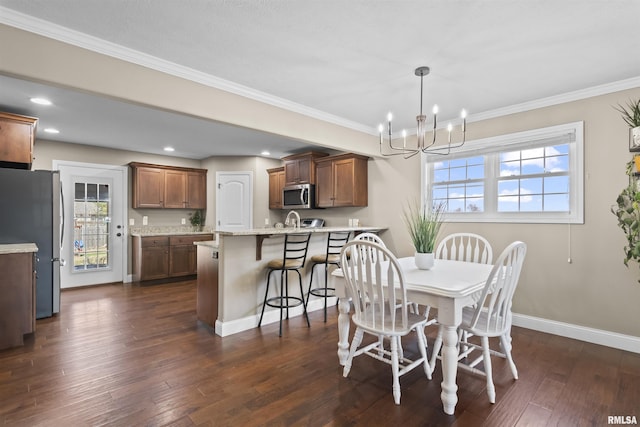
(145, 220)
(183, 221)
(132, 221)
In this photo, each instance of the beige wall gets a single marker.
(596, 290)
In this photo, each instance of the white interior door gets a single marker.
(234, 200)
(95, 244)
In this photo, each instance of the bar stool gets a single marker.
(335, 241)
(293, 259)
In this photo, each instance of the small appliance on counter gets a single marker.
(312, 223)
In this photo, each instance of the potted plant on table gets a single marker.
(424, 227)
(197, 220)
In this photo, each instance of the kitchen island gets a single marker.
(241, 258)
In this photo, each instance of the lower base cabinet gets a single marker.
(164, 257)
(17, 303)
(207, 285)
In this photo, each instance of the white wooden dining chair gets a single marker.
(491, 317)
(372, 237)
(367, 271)
(468, 247)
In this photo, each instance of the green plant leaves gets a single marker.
(424, 226)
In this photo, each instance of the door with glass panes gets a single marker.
(94, 224)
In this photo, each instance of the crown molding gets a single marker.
(47, 29)
(56, 32)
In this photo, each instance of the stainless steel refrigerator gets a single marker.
(30, 203)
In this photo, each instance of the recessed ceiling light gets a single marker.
(41, 101)
(169, 149)
(51, 130)
(265, 153)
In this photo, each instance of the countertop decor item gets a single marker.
(424, 227)
(197, 220)
(631, 116)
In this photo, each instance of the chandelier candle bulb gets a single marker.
(435, 115)
(449, 129)
(463, 114)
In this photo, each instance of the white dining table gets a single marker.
(449, 286)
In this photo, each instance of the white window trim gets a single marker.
(576, 154)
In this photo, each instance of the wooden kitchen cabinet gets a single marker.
(207, 285)
(276, 184)
(300, 168)
(183, 254)
(163, 257)
(150, 258)
(175, 189)
(17, 305)
(157, 186)
(148, 187)
(342, 181)
(197, 189)
(17, 134)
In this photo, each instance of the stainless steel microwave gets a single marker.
(301, 196)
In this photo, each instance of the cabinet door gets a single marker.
(181, 260)
(196, 190)
(291, 172)
(324, 184)
(343, 182)
(16, 139)
(276, 184)
(154, 262)
(148, 190)
(175, 189)
(304, 171)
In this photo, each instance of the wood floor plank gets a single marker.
(130, 355)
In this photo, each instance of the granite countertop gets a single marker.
(290, 230)
(166, 231)
(18, 248)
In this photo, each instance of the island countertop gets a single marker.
(290, 230)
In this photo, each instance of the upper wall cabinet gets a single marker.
(157, 186)
(17, 134)
(342, 181)
(300, 168)
(276, 184)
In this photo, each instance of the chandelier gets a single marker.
(422, 145)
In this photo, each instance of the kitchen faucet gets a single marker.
(296, 223)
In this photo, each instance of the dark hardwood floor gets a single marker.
(130, 355)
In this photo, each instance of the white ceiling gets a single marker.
(346, 61)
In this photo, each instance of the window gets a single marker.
(532, 176)
(91, 220)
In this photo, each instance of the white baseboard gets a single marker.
(224, 329)
(594, 336)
